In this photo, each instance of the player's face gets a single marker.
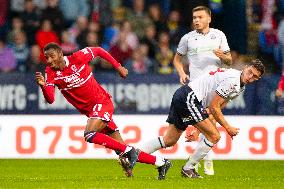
(201, 20)
(53, 58)
(250, 74)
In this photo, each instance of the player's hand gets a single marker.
(183, 79)
(219, 53)
(193, 136)
(39, 79)
(122, 71)
(232, 131)
(278, 93)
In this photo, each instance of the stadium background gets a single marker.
(143, 36)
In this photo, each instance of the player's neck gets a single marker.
(203, 31)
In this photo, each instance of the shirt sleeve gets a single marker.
(48, 90)
(90, 53)
(182, 46)
(224, 46)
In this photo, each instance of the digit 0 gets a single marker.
(32, 140)
(279, 131)
(136, 131)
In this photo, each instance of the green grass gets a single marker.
(108, 174)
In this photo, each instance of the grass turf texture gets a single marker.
(101, 174)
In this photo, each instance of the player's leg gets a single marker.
(162, 164)
(169, 139)
(211, 137)
(93, 135)
(208, 161)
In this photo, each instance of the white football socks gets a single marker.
(209, 156)
(159, 161)
(153, 145)
(202, 149)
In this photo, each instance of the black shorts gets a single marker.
(185, 109)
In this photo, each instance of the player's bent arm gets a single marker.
(178, 64)
(105, 55)
(48, 92)
(215, 110)
(227, 59)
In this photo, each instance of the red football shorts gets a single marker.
(104, 112)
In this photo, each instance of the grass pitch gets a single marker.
(68, 174)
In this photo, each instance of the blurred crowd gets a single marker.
(141, 34)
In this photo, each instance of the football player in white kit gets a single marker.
(188, 107)
(206, 48)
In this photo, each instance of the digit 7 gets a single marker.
(58, 133)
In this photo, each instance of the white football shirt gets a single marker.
(199, 49)
(224, 82)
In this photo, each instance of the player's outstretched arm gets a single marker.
(215, 109)
(122, 71)
(48, 91)
(105, 55)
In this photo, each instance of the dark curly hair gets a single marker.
(257, 64)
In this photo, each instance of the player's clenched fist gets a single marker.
(122, 71)
(39, 78)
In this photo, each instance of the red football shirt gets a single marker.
(76, 81)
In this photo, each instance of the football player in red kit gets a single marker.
(74, 78)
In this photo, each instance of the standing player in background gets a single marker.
(213, 90)
(74, 78)
(206, 49)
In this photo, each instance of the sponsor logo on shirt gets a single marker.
(186, 119)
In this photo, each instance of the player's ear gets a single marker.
(209, 20)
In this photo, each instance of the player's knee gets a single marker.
(169, 142)
(215, 138)
(89, 136)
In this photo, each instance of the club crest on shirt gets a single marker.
(73, 68)
(58, 73)
(212, 36)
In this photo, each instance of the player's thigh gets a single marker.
(172, 135)
(95, 124)
(209, 130)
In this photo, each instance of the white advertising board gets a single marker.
(61, 136)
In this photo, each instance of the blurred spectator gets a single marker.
(173, 26)
(280, 87)
(92, 39)
(121, 51)
(157, 17)
(21, 50)
(280, 36)
(54, 14)
(165, 55)
(17, 26)
(67, 45)
(7, 58)
(101, 11)
(150, 40)
(45, 35)
(80, 30)
(138, 18)
(131, 37)
(96, 28)
(140, 63)
(17, 7)
(34, 63)
(72, 9)
(40, 4)
(30, 17)
(4, 8)
(109, 35)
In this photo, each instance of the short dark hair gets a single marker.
(53, 46)
(257, 64)
(202, 8)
